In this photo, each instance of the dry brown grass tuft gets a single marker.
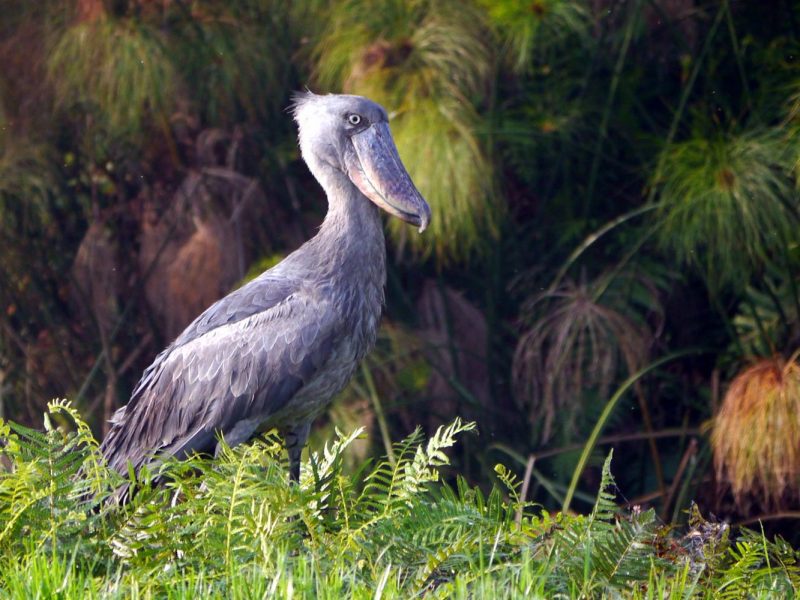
(582, 337)
(756, 435)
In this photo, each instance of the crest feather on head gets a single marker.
(299, 100)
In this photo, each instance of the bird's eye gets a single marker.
(354, 119)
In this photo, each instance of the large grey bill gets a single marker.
(381, 176)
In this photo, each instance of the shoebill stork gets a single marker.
(273, 353)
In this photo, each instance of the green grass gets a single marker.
(235, 528)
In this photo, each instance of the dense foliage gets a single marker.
(612, 261)
(236, 528)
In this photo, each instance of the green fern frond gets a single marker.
(608, 550)
(437, 561)
(235, 526)
(605, 507)
(627, 554)
(424, 468)
(332, 489)
(85, 447)
(380, 483)
(755, 566)
(30, 441)
(509, 479)
(43, 493)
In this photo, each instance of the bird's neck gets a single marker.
(350, 240)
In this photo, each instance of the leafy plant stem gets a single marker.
(593, 237)
(760, 325)
(699, 464)
(691, 450)
(726, 321)
(615, 439)
(651, 441)
(677, 117)
(612, 92)
(379, 414)
(737, 53)
(621, 264)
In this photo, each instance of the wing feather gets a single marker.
(247, 368)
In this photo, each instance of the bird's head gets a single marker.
(351, 134)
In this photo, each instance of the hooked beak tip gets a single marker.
(424, 219)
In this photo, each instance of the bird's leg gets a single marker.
(295, 439)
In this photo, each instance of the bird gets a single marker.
(273, 353)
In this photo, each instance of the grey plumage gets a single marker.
(274, 352)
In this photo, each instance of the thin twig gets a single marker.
(622, 437)
(650, 496)
(787, 514)
(126, 364)
(737, 53)
(593, 237)
(379, 415)
(526, 482)
(612, 92)
(678, 116)
(691, 450)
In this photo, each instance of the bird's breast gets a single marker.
(317, 393)
(358, 314)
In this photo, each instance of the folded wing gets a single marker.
(238, 370)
